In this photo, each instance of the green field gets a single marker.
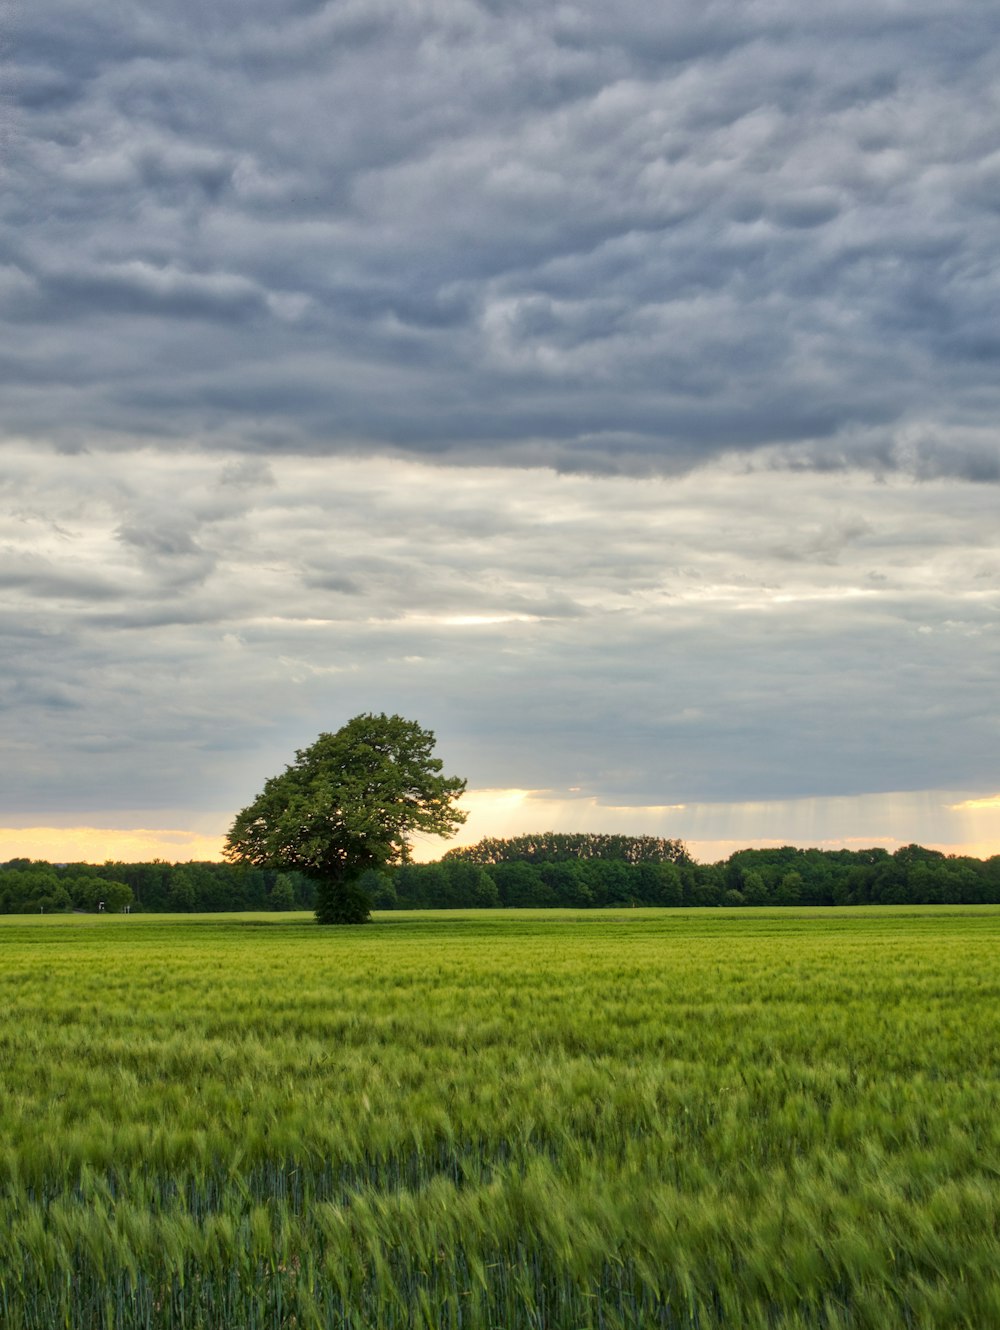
(501, 1119)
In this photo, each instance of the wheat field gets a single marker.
(548, 1119)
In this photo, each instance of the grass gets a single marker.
(625, 1118)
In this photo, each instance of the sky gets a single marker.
(610, 387)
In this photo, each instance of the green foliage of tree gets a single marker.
(150, 882)
(116, 896)
(785, 876)
(91, 892)
(470, 885)
(380, 889)
(283, 893)
(754, 888)
(789, 889)
(182, 897)
(611, 881)
(520, 884)
(414, 884)
(32, 888)
(557, 847)
(568, 881)
(350, 802)
(656, 884)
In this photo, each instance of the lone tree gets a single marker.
(348, 803)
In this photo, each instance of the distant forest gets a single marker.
(577, 871)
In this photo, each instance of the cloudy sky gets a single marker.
(611, 387)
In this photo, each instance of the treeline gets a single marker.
(33, 886)
(552, 871)
(578, 872)
(559, 846)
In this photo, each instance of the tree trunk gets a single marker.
(342, 901)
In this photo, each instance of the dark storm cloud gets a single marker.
(599, 236)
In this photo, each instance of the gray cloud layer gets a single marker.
(602, 236)
(599, 383)
(173, 627)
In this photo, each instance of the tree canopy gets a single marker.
(350, 802)
(561, 847)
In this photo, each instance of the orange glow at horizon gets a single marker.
(97, 845)
(991, 802)
(711, 832)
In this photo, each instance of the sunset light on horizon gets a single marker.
(711, 832)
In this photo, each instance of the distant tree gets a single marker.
(414, 884)
(657, 884)
(282, 893)
(182, 897)
(378, 886)
(27, 888)
(116, 896)
(567, 880)
(611, 882)
(789, 890)
(754, 889)
(471, 887)
(520, 884)
(349, 802)
(706, 888)
(211, 891)
(150, 882)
